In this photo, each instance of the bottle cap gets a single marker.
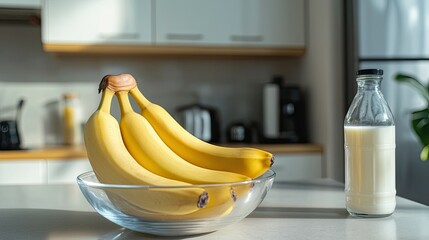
(70, 95)
(370, 72)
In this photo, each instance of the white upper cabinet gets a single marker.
(271, 23)
(264, 27)
(96, 21)
(281, 22)
(205, 22)
(278, 23)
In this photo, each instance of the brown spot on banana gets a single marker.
(272, 161)
(203, 200)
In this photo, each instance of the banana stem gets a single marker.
(140, 99)
(116, 83)
(106, 100)
(124, 102)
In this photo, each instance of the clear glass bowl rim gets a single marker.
(82, 179)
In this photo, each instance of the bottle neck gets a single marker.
(369, 82)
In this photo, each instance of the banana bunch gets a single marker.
(151, 148)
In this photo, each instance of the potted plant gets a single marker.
(419, 118)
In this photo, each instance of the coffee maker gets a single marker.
(283, 113)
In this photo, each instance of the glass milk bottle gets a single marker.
(369, 142)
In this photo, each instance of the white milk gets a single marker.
(370, 170)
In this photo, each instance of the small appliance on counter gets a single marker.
(283, 113)
(201, 121)
(9, 132)
(63, 120)
(238, 132)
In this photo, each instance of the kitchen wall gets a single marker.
(233, 85)
(322, 71)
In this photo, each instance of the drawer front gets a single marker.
(297, 166)
(23, 172)
(66, 171)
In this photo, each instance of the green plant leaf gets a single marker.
(416, 84)
(420, 124)
(424, 154)
(420, 118)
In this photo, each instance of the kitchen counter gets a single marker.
(52, 152)
(73, 152)
(292, 210)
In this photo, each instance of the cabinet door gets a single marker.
(249, 22)
(196, 22)
(297, 166)
(96, 21)
(66, 171)
(23, 172)
(282, 22)
(278, 23)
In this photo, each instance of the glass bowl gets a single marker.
(111, 201)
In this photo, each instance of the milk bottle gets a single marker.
(369, 142)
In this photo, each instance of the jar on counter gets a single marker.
(72, 119)
(369, 142)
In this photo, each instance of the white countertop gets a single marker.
(291, 210)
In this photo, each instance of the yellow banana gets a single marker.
(112, 163)
(250, 162)
(152, 153)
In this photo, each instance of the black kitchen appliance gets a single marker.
(284, 113)
(9, 135)
(238, 132)
(9, 131)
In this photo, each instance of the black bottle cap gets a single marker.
(370, 72)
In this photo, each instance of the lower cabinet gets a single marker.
(66, 171)
(53, 171)
(295, 166)
(288, 166)
(23, 171)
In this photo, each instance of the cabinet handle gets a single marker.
(185, 36)
(119, 35)
(247, 38)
